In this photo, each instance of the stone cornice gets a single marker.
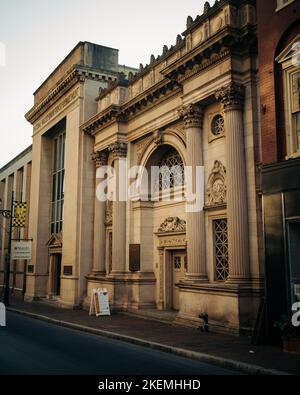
(163, 89)
(76, 74)
(97, 121)
(159, 92)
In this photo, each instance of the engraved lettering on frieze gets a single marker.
(173, 242)
(58, 109)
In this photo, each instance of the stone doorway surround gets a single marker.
(171, 237)
(55, 248)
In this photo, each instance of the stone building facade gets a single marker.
(15, 177)
(196, 106)
(279, 65)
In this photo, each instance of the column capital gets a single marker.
(192, 115)
(118, 149)
(231, 96)
(100, 158)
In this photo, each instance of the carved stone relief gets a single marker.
(216, 185)
(172, 224)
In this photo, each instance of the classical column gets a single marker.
(118, 151)
(232, 98)
(196, 251)
(100, 159)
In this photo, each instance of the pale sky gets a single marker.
(35, 36)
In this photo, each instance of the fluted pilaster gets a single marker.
(118, 151)
(196, 251)
(232, 98)
(100, 159)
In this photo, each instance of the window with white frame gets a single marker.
(295, 93)
(283, 3)
(58, 182)
(288, 59)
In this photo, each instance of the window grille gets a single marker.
(171, 171)
(218, 125)
(221, 249)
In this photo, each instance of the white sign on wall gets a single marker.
(2, 315)
(99, 302)
(21, 249)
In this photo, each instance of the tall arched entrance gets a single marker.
(167, 215)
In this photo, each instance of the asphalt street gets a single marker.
(29, 346)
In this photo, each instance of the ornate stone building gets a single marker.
(194, 105)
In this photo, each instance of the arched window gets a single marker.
(171, 173)
(289, 60)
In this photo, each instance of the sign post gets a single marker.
(17, 219)
(7, 260)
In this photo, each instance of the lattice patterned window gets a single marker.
(171, 171)
(110, 250)
(221, 249)
(218, 125)
(177, 262)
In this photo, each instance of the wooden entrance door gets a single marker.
(57, 275)
(179, 264)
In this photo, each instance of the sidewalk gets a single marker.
(223, 350)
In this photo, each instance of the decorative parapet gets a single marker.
(208, 40)
(116, 96)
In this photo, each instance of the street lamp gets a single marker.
(9, 215)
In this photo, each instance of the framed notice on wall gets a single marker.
(21, 249)
(134, 257)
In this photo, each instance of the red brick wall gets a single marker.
(273, 34)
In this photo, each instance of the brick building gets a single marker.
(279, 66)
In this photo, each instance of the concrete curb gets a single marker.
(206, 358)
